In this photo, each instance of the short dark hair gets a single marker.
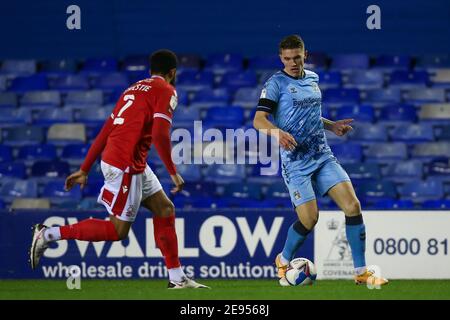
(162, 61)
(292, 41)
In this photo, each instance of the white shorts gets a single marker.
(123, 192)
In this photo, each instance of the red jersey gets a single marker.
(143, 112)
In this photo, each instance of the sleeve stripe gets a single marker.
(262, 107)
(267, 105)
(162, 115)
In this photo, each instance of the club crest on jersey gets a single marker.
(173, 102)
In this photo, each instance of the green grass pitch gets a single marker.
(222, 290)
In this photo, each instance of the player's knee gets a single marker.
(353, 208)
(167, 209)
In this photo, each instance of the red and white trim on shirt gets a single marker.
(162, 115)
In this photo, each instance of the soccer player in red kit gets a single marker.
(142, 117)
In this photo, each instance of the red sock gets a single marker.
(166, 239)
(90, 230)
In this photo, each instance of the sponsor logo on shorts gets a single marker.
(297, 195)
(124, 189)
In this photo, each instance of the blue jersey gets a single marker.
(295, 104)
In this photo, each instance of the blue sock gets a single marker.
(356, 236)
(296, 236)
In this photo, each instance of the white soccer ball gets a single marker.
(301, 272)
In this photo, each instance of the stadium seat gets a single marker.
(208, 97)
(389, 204)
(347, 152)
(62, 134)
(198, 190)
(95, 116)
(189, 61)
(349, 62)
(41, 99)
(182, 97)
(433, 62)
(222, 63)
(8, 100)
(229, 117)
(430, 150)
(111, 81)
(51, 116)
(84, 98)
(90, 204)
(439, 169)
(330, 79)
(367, 133)
(316, 61)
(75, 153)
(189, 172)
(50, 169)
(349, 96)
(70, 82)
(243, 191)
(388, 95)
(185, 116)
(97, 66)
(364, 79)
(409, 79)
(136, 64)
(420, 191)
(361, 113)
(12, 117)
(30, 154)
(398, 113)
(363, 171)
(195, 81)
(386, 152)
(267, 62)
(13, 170)
(224, 173)
(404, 171)
(235, 80)
(23, 135)
(435, 113)
(30, 83)
(376, 191)
(436, 204)
(30, 203)
(5, 153)
(17, 68)
(440, 78)
(276, 190)
(247, 97)
(413, 133)
(59, 67)
(443, 133)
(425, 95)
(12, 189)
(392, 62)
(54, 191)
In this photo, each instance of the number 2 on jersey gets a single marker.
(129, 98)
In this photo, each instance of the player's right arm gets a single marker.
(267, 105)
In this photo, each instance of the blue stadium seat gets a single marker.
(235, 80)
(368, 133)
(364, 79)
(30, 83)
(349, 61)
(247, 97)
(268, 62)
(8, 100)
(347, 152)
(436, 204)
(376, 191)
(425, 95)
(207, 97)
(443, 133)
(182, 97)
(350, 96)
(59, 67)
(195, 202)
(189, 61)
(230, 116)
(70, 82)
(420, 191)
(54, 190)
(316, 61)
(430, 150)
(23, 135)
(398, 113)
(330, 79)
(404, 171)
(18, 188)
(361, 113)
(386, 152)
(433, 61)
(136, 64)
(363, 171)
(189, 172)
(99, 65)
(413, 133)
(51, 116)
(192, 80)
(5, 153)
(74, 154)
(243, 191)
(224, 173)
(50, 169)
(84, 98)
(13, 169)
(41, 99)
(409, 79)
(392, 62)
(389, 204)
(30, 154)
(388, 95)
(198, 190)
(185, 116)
(93, 116)
(18, 67)
(222, 63)
(14, 117)
(112, 81)
(89, 203)
(439, 169)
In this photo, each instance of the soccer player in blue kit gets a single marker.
(292, 96)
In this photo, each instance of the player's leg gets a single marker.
(163, 210)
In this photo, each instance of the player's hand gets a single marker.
(341, 127)
(79, 177)
(286, 140)
(179, 183)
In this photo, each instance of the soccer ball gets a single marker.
(301, 272)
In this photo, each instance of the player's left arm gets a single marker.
(339, 127)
